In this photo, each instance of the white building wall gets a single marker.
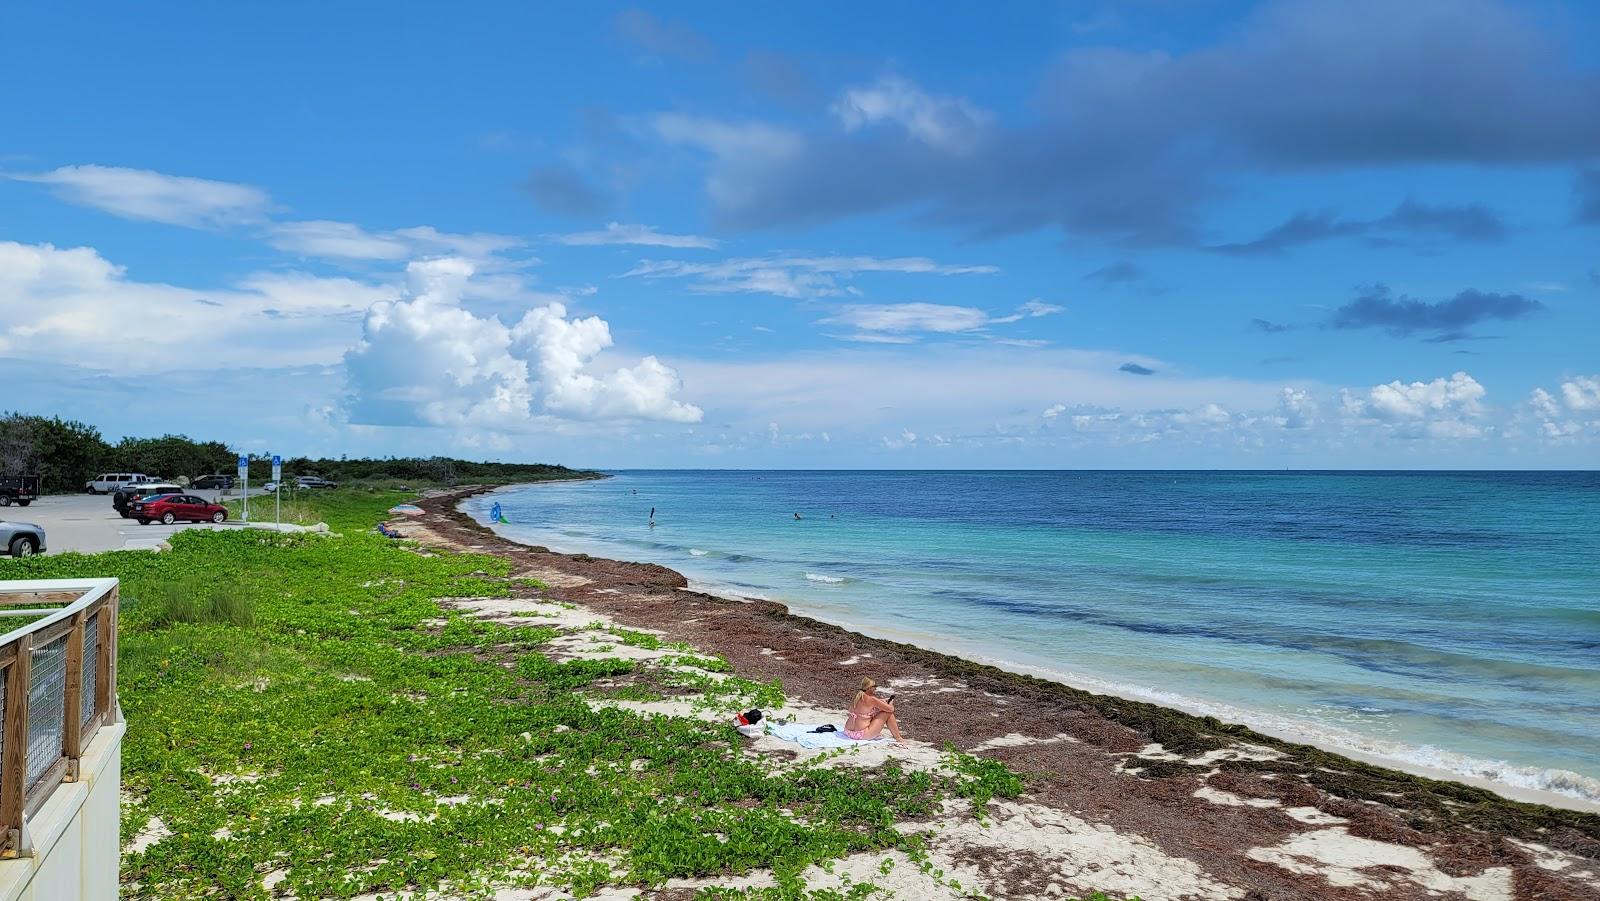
(76, 834)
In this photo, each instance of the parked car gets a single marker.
(122, 499)
(314, 482)
(270, 487)
(19, 490)
(21, 539)
(169, 508)
(217, 480)
(108, 482)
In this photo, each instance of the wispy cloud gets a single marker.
(910, 317)
(1116, 273)
(561, 188)
(1410, 219)
(1135, 369)
(794, 277)
(1270, 327)
(641, 235)
(344, 240)
(1032, 309)
(1586, 194)
(1448, 319)
(661, 38)
(894, 323)
(950, 124)
(154, 196)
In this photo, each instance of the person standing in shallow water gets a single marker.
(652, 516)
(869, 714)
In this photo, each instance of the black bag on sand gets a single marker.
(827, 727)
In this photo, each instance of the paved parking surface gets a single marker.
(87, 523)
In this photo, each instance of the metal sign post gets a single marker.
(277, 489)
(244, 485)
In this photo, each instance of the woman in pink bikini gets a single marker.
(869, 714)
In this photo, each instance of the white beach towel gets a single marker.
(801, 734)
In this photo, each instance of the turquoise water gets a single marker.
(1443, 619)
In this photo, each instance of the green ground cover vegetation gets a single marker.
(306, 717)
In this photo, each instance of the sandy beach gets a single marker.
(1121, 796)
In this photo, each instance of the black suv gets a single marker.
(122, 499)
(214, 481)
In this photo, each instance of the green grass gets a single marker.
(303, 705)
(358, 508)
(193, 599)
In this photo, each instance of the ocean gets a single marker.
(1440, 619)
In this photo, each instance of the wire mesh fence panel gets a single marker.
(47, 698)
(91, 659)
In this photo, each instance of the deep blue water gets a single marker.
(1446, 619)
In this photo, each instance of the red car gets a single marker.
(169, 508)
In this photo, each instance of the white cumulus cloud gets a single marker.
(1297, 409)
(424, 360)
(73, 304)
(1575, 413)
(1543, 404)
(1441, 408)
(1582, 394)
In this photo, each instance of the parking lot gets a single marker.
(87, 522)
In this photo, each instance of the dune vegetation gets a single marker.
(309, 716)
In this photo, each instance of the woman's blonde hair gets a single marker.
(867, 685)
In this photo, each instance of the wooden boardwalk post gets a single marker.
(14, 760)
(72, 706)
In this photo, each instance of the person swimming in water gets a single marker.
(797, 516)
(870, 714)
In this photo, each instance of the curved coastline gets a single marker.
(947, 656)
(1516, 782)
(1521, 787)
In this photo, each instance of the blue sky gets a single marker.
(1284, 234)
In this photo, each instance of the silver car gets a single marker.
(21, 539)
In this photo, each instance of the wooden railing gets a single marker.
(59, 686)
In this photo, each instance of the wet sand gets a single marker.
(1119, 792)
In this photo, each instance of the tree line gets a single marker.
(66, 453)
